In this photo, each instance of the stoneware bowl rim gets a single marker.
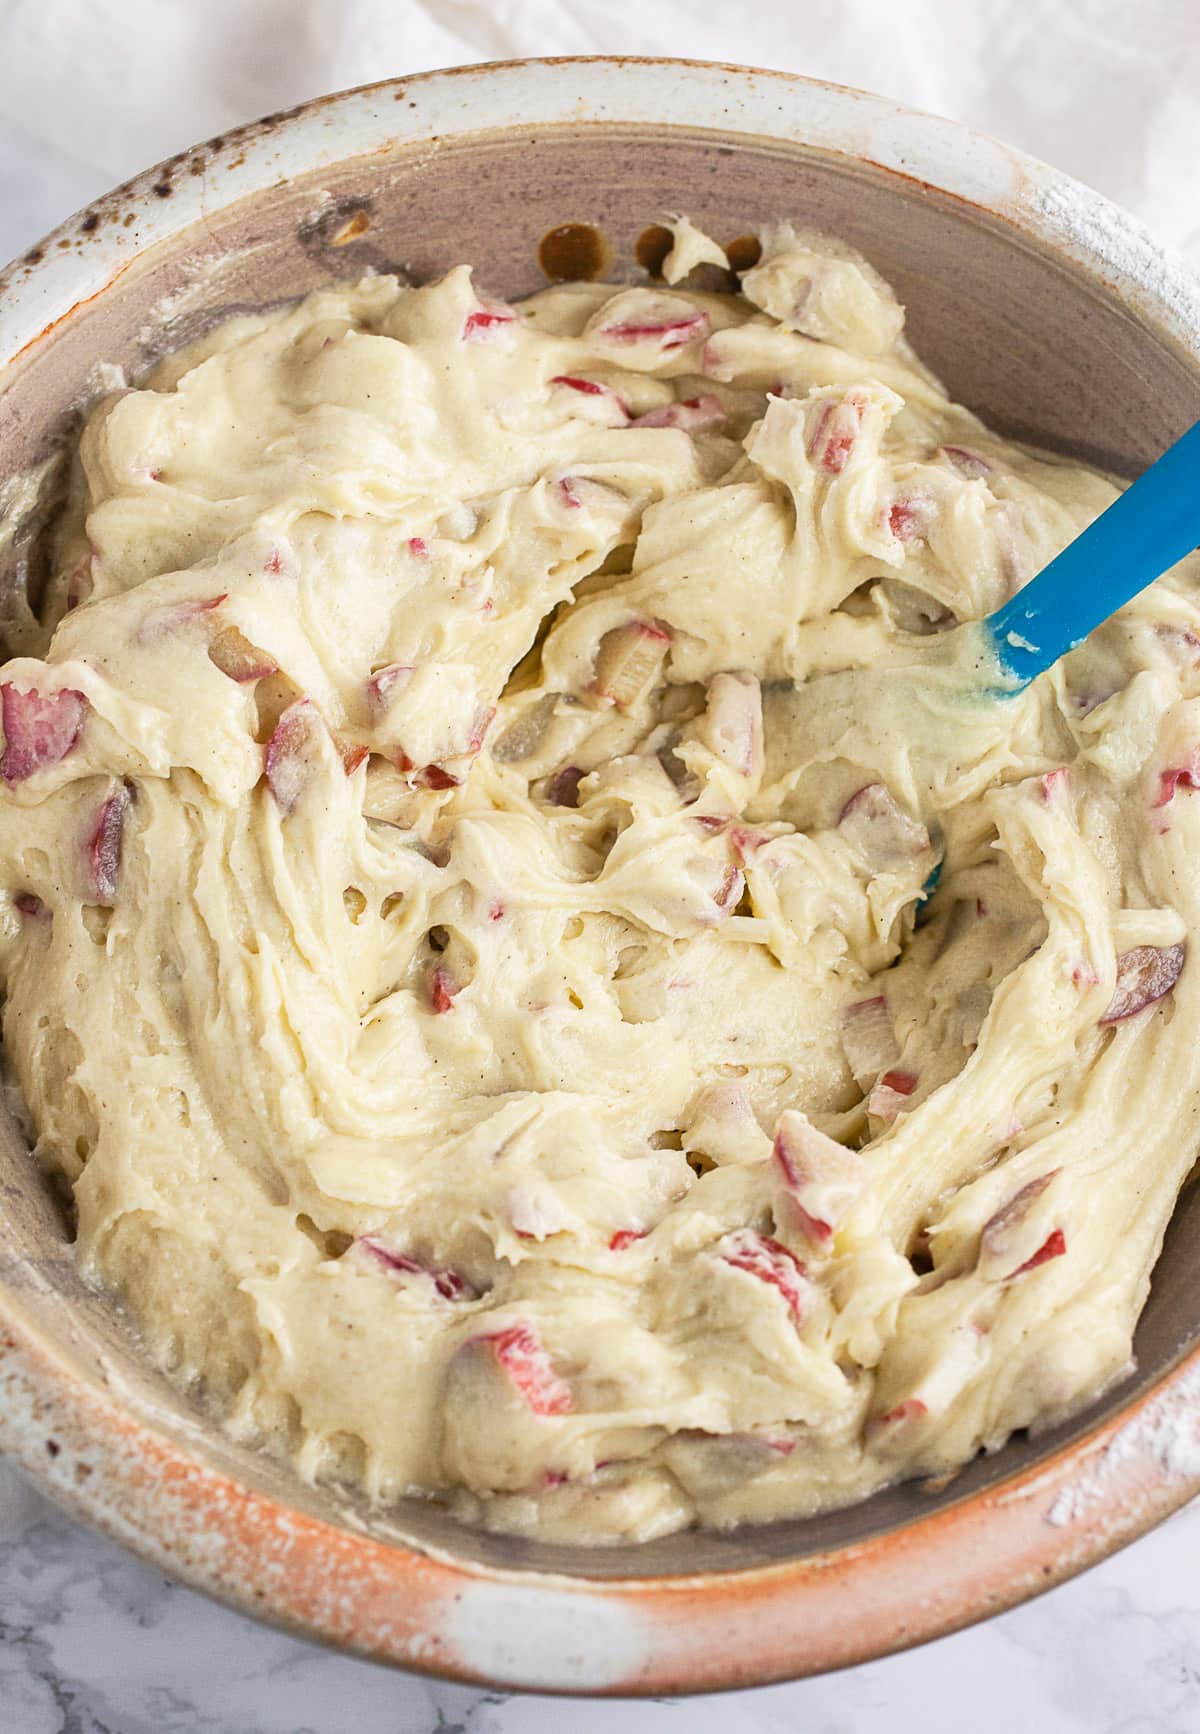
(517, 1630)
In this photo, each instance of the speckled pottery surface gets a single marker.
(1043, 307)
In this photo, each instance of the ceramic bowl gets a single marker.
(1043, 307)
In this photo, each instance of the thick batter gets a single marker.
(467, 824)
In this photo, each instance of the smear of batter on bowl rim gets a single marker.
(545, 990)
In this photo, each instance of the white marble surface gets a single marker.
(92, 1641)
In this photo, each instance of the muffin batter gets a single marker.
(546, 989)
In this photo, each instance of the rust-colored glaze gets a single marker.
(1022, 320)
(573, 253)
(690, 1632)
(651, 248)
(744, 253)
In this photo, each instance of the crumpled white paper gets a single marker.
(92, 91)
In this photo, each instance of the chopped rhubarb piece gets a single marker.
(449, 1284)
(729, 893)
(746, 841)
(567, 493)
(232, 652)
(479, 728)
(908, 519)
(102, 844)
(587, 386)
(496, 912)
(667, 333)
(625, 1237)
(32, 908)
(564, 786)
(834, 433)
(910, 1410)
(1055, 785)
(880, 830)
(889, 1096)
(486, 321)
(590, 388)
(530, 1370)
(1144, 975)
(443, 990)
(161, 621)
(1054, 1245)
(904, 1083)
(692, 414)
(998, 1240)
(385, 683)
(822, 1177)
(418, 547)
(293, 753)
(771, 1262)
(710, 822)
(732, 725)
(275, 562)
(40, 729)
(868, 1039)
(554, 1478)
(353, 754)
(716, 1463)
(1178, 777)
(966, 462)
(1083, 975)
(628, 659)
(435, 777)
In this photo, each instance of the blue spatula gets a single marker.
(1153, 524)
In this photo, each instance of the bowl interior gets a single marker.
(1017, 332)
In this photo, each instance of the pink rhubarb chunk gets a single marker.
(626, 1237)
(692, 414)
(869, 1040)
(293, 753)
(176, 614)
(628, 659)
(834, 432)
(1054, 1245)
(530, 1370)
(909, 519)
(879, 829)
(771, 1262)
(890, 1094)
(102, 845)
(385, 683)
(443, 990)
(668, 333)
(40, 729)
(1000, 1241)
(1144, 975)
(912, 1409)
(822, 1177)
(486, 322)
(232, 652)
(732, 724)
(449, 1284)
(1177, 777)
(590, 388)
(967, 462)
